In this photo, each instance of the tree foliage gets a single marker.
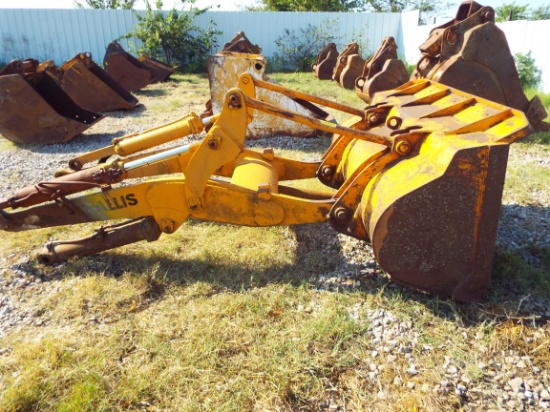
(171, 36)
(529, 73)
(511, 11)
(106, 4)
(298, 49)
(541, 13)
(426, 7)
(313, 5)
(515, 11)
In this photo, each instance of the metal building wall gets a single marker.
(56, 34)
(263, 28)
(47, 34)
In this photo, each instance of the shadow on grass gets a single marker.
(520, 286)
(542, 138)
(196, 78)
(152, 92)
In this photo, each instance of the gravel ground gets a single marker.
(511, 382)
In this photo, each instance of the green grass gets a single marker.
(223, 318)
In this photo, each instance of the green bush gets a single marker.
(298, 49)
(529, 73)
(172, 37)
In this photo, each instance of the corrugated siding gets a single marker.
(60, 34)
(52, 34)
(263, 28)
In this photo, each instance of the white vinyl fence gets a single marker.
(53, 34)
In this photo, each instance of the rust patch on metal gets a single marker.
(92, 88)
(323, 68)
(35, 109)
(383, 71)
(349, 66)
(159, 70)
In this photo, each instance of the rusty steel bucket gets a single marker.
(36, 110)
(159, 70)
(224, 70)
(128, 71)
(323, 68)
(471, 53)
(241, 44)
(92, 88)
(349, 66)
(383, 71)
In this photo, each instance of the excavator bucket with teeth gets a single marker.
(35, 109)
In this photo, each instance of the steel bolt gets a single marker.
(327, 171)
(341, 214)
(268, 154)
(194, 204)
(214, 142)
(245, 80)
(264, 191)
(403, 147)
(394, 122)
(167, 225)
(234, 101)
(75, 164)
(374, 119)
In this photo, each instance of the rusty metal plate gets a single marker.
(383, 71)
(224, 70)
(128, 71)
(36, 110)
(159, 70)
(323, 68)
(353, 67)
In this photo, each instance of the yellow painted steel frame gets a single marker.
(405, 155)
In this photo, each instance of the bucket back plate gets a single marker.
(126, 69)
(432, 214)
(39, 111)
(92, 88)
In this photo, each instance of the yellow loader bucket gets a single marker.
(431, 215)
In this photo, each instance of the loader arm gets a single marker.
(422, 163)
